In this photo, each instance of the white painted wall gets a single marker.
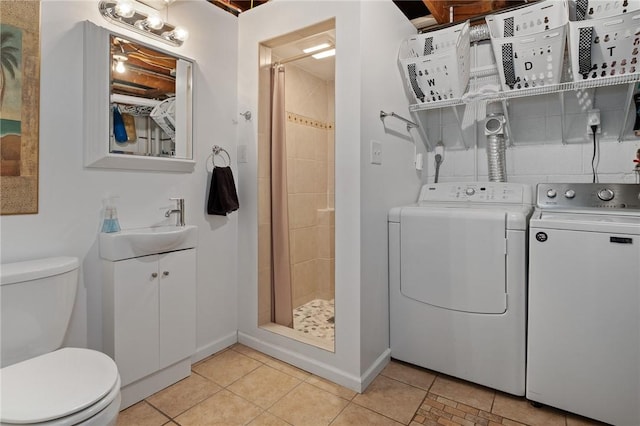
(365, 83)
(69, 217)
(396, 181)
(538, 153)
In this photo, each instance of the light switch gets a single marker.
(376, 152)
(242, 154)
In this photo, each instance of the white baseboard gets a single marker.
(375, 369)
(147, 386)
(326, 371)
(214, 347)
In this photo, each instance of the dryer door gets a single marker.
(454, 258)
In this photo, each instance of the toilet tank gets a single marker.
(36, 298)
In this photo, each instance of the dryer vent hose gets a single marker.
(495, 155)
(479, 33)
(496, 148)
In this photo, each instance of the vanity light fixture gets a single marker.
(125, 14)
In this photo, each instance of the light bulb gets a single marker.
(154, 21)
(124, 9)
(180, 33)
(120, 67)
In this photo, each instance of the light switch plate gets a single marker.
(242, 154)
(376, 152)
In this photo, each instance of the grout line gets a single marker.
(160, 411)
(350, 401)
(339, 413)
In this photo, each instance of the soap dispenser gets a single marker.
(110, 223)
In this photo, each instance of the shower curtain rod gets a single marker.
(301, 56)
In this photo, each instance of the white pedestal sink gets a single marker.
(138, 242)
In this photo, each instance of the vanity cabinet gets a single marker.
(149, 312)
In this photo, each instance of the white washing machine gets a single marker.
(584, 301)
(457, 277)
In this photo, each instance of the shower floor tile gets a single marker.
(316, 318)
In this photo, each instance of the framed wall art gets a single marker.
(19, 106)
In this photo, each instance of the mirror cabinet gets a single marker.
(138, 102)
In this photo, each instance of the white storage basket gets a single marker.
(164, 114)
(580, 10)
(432, 42)
(436, 64)
(528, 20)
(604, 47)
(528, 44)
(530, 61)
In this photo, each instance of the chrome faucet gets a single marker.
(179, 210)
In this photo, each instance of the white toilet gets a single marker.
(39, 383)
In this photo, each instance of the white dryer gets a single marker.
(457, 276)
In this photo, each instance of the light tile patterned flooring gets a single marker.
(240, 386)
(316, 318)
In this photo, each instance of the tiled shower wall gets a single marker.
(310, 170)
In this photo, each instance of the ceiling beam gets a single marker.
(465, 9)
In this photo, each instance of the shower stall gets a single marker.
(296, 187)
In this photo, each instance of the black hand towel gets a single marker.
(223, 197)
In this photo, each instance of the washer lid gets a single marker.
(55, 385)
(587, 221)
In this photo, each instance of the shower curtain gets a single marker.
(281, 305)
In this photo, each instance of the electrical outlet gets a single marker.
(593, 119)
(376, 152)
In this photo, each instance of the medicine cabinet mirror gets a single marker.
(138, 104)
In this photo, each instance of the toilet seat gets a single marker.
(66, 386)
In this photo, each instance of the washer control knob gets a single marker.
(470, 191)
(570, 193)
(605, 194)
(552, 193)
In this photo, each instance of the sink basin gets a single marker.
(138, 242)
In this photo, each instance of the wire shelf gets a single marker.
(532, 91)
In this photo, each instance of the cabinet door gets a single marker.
(136, 317)
(177, 273)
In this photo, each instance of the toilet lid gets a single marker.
(55, 385)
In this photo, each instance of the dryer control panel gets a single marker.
(607, 196)
(477, 192)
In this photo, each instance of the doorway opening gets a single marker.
(296, 187)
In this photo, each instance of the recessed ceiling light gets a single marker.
(316, 47)
(325, 54)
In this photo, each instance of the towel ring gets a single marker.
(217, 150)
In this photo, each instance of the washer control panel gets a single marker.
(477, 192)
(624, 196)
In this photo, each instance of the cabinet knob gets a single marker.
(165, 273)
(154, 275)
